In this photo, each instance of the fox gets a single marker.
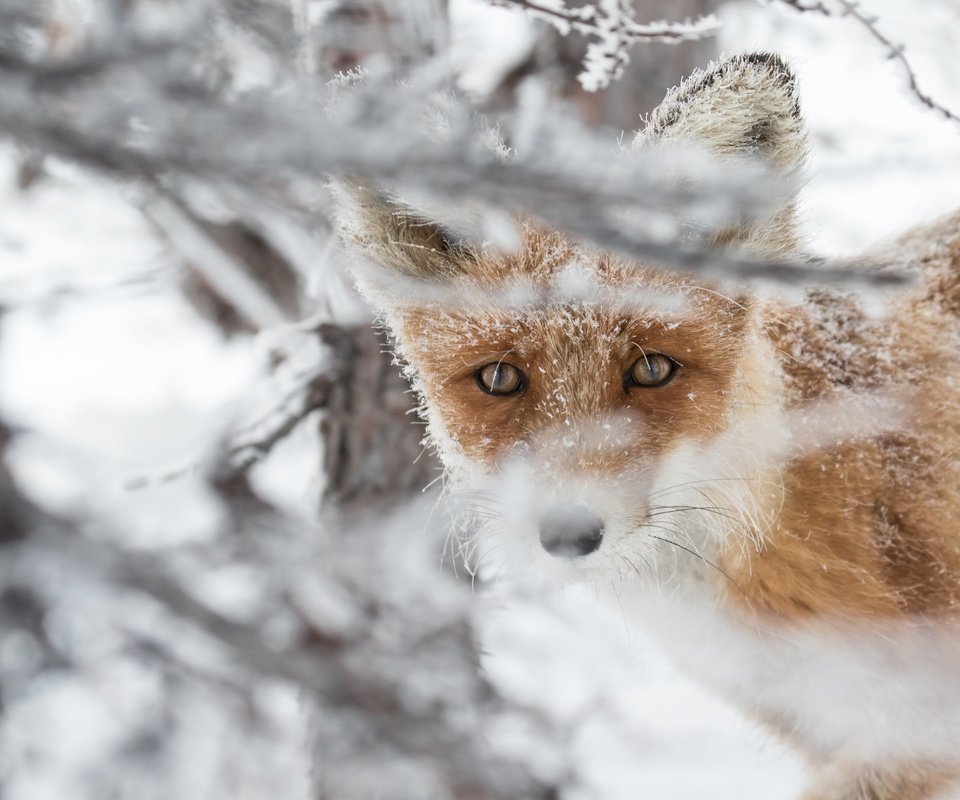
(771, 479)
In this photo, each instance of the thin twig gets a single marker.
(586, 20)
(218, 267)
(895, 52)
(613, 29)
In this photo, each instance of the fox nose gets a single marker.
(570, 532)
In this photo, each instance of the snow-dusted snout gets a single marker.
(595, 501)
(570, 531)
(531, 519)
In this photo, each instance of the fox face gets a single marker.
(574, 419)
(587, 404)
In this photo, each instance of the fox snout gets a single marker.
(570, 531)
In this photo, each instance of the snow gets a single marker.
(488, 43)
(115, 377)
(880, 161)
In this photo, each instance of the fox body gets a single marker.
(774, 480)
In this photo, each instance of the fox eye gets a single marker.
(651, 371)
(500, 378)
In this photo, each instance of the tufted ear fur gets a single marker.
(390, 233)
(745, 107)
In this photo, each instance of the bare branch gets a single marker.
(895, 52)
(219, 268)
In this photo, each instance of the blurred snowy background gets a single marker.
(118, 393)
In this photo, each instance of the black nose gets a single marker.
(570, 532)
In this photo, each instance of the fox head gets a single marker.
(611, 409)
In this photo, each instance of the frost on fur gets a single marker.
(413, 234)
(741, 109)
(394, 235)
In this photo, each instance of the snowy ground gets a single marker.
(118, 377)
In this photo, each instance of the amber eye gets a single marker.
(500, 378)
(650, 371)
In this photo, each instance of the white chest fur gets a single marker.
(866, 694)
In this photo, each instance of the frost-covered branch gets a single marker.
(598, 20)
(611, 27)
(241, 638)
(218, 268)
(154, 122)
(392, 693)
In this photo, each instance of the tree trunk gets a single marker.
(372, 435)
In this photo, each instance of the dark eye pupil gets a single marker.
(651, 370)
(499, 378)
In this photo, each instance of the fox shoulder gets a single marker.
(932, 252)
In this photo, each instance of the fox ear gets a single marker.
(405, 242)
(746, 106)
(743, 108)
